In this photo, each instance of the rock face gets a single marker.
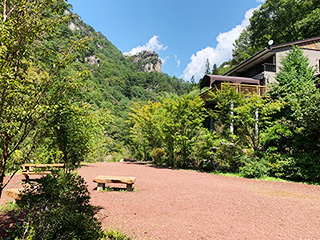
(147, 61)
(92, 60)
(73, 26)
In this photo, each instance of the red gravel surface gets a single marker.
(179, 204)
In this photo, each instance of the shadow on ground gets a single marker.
(7, 222)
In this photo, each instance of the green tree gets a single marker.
(145, 131)
(252, 118)
(249, 115)
(214, 69)
(242, 48)
(74, 131)
(280, 20)
(192, 81)
(30, 85)
(207, 67)
(181, 126)
(295, 131)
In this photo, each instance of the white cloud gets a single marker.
(177, 60)
(261, 1)
(153, 44)
(216, 55)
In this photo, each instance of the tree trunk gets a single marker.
(3, 166)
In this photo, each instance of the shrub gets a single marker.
(281, 166)
(157, 155)
(254, 169)
(57, 207)
(115, 235)
(228, 158)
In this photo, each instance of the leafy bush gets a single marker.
(308, 167)
(202, 151)
(115, 235)
(157, 155)
(281, 166)
(57, 207)
(229, 157)
(254, 169)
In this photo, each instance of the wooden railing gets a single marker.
(245, 89)
(269, 67)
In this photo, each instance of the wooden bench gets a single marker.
(102, 180)
(14, 193)
(30, 169)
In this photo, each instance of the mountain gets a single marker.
(146, 61)
(116, 81)
(116, 77)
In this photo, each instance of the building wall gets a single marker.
(312, 55)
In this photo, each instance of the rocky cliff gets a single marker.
(146, 61)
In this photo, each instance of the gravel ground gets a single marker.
(179, 204)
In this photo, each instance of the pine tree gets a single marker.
(214, 69)
(207, 71)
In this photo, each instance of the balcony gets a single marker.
(266, 67)
(269, 67)
(245, 89)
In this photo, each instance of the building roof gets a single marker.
(208, 80)
(311, 43)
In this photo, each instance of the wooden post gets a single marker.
(101, 186)
(129, 187)
(231, 114)
(256, 126)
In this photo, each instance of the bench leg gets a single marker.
(101, 186)
(129, 187)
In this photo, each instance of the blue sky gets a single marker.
(183, 32)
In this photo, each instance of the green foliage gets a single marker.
(221, 100)
(157, 155)
(281, 165)
(145, 131)
(30, 80)
(254, 169)
(280, 20)
(229, 157)
(58, 207)
(250, 115)
(175, 125)
(293, 138)
(207, 67)
(214, 69)
(115, 235)
(75, 131)
(243, 49)
(201, 155)
(7, 207)
(181, 125)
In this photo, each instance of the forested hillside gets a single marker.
(117, 81)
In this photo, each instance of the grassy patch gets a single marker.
(9, 206)
(115, 235)
(263, 178)
(227, 174)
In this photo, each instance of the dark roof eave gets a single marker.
(252, 58)
(268, 49)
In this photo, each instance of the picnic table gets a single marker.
(39, 169)
(29, 170)
(102, 180)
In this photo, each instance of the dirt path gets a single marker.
(178, 204)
